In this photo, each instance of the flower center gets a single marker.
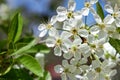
(58, 42)
(49, 26)
(93, 45)
(102, 25)
(74, 48)
(74, 31)
(107, 77)
(87, 4)
(98, 69)
(115, 15)
(66, 70)
(70, 15)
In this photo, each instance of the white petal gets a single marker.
(83, 33)
(84, 48)
(95, 64)
(77, 41)
(94, 30)
(84, 67)
(77, 55)
(58, 69)
(85, 11)
(67, 26)
(50, 42)
(65, 63)
(61, 17)
(91, 39)
(63, 76)
(113, 72)
(67, 55)
(109, 8)
(102, 37)
(41, 27)
(92, 10)
(78, 71)
(43, 33)
(67, 43)
(100, 76)
(57, 51)
(73, 61)
(116, 8)
(52, 32)
(78, 15)
(65, 35)
(93, 1)
(53, 20)
(61, 10)
(83, 60)
(64, 49)
(109, 19)
(99, 52)
(72, 76)
(91, 75)
(71, 5)
(72, 68)
(98, 19)
(117, 22)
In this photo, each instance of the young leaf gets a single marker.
(25, 48)
(115, 43)
(19, 28)
(99, 10)
(15, 28)
(31, 63)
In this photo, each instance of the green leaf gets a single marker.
(19, 28)
(99, 10)
(25, 48)
(31, 63)
(38, 48)
(115, 43)
(15, 28)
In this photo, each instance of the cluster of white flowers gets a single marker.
(86, 50)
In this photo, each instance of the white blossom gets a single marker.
(115, 13)
(66, 14)
(88, 7)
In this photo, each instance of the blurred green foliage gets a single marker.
(19, 50)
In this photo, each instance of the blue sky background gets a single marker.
(43, 7)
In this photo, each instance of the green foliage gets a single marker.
(15, 28)
(99, 10)
(38, 48)
(17, 74)
(5, 63)
(20, 49)
(31, 63)
(25, 48)
(115, 43)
